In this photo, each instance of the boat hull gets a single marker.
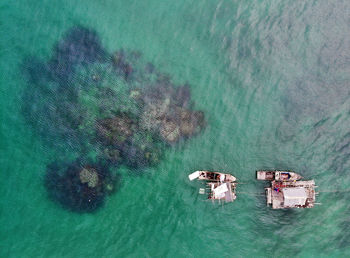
(211, 176)
(215, 176)
(277, 175)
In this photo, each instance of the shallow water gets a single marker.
(273, 82)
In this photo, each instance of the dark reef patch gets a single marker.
(79, 186)
(121, 108)
(79, 46)
(167, 112)
(129, 144)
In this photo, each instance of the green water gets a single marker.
(273, 81)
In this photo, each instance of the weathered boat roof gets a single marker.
(222, 191)
(294, 196)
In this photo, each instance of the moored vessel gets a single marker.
(299, 194)
(219, 186)
(285, 191)
(211, 176)
(277, 175)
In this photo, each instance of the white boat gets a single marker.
(277, 175)
(220, 186)
(211, 176)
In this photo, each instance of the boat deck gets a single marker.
(227, 196)
(276, 195)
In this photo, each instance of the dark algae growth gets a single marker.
(116, 107)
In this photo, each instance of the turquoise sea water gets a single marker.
(272, 78)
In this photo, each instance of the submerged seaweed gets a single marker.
(116, 105)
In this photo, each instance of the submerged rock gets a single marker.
(89, 176)
(126, 142)
(143, 150)
(116, 130)
(167, 112)
(79, 187)
(169, 131)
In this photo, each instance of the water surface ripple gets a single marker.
(273, 80)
